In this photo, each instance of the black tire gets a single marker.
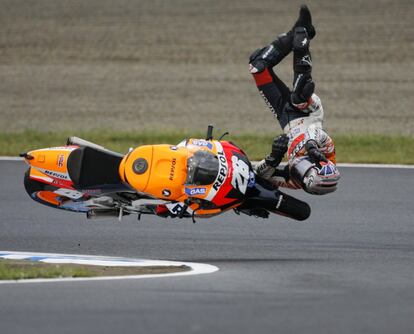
(293, 208)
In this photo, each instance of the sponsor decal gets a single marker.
(60, 160)
(222, 174)
(279, 201)
(166, 192)
(223, 169)
(241, 174)
(272, 110)
(294, 133)
(296, 146)
(177, 208)
(172, 169)
(202, 143)
(268, 51)
(54, 174)
(195, 191)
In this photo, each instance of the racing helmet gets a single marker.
(316, 179)
(202, 168)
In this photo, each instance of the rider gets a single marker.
(299, 112)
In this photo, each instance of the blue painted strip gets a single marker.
(36, 258)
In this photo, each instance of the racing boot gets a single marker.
(305, 21)
(274, 53)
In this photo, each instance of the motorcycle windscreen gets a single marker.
(202, 168)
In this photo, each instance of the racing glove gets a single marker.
(314, 153)
(279, 148)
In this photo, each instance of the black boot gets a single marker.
(273, 54)
(284, 43)
(305, 20)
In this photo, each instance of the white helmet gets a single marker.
(317, 179)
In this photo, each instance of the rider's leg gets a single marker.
(273, 90)
(273, 54)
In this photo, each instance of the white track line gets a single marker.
(361, 165)
(196, 268)
(11, 158)
(375, 165)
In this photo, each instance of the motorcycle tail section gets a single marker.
(50, 165)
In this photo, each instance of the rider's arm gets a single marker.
(267, 167)
(279, 148)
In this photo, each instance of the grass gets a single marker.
(370, 148)
(12, 270)
(22, 269)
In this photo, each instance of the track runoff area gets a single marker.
(89, 260)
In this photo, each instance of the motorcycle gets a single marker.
(198, 178)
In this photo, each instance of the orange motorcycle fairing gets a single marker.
(157, 170)
(49, 197)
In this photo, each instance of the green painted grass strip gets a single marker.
(358, 148)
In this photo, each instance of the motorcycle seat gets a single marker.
(88, 166)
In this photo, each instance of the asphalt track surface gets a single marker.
(348, 269)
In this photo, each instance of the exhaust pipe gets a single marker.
(82, 142)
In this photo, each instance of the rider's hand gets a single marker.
(279, 148)
(314, 153)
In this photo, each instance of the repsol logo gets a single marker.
(54, 174)
(223, 169)
(172, 169)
